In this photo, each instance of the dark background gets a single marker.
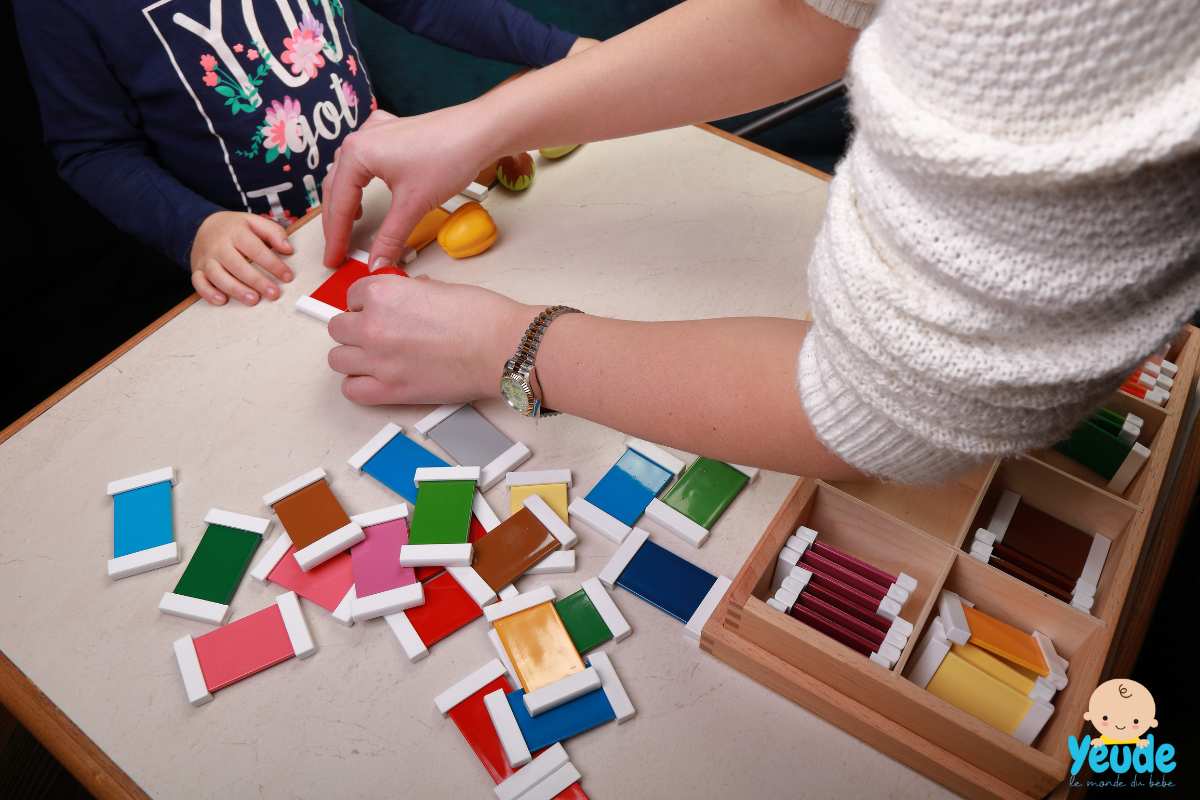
(78, 288)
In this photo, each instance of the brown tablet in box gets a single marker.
(1048, 540)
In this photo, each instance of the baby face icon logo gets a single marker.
(1121, 710)
(1125, 754)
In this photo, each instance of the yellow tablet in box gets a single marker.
(965, 686)
(1019, 679)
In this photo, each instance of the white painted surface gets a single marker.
(669, 226)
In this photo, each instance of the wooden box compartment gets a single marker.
(1183, 349)
(1071, 500)
(853, 527)
(1152, 417)
(925, 532)
(1183, 353)
(941, 511)
(849, 523)
(1077, 637)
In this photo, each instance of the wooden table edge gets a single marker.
(79, 380)
(82, 757)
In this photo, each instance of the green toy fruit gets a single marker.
(557, 152)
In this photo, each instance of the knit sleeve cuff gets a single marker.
(851, 13)
(860, 435)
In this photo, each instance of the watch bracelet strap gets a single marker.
(523, 360)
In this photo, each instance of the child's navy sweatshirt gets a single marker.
(161, 112)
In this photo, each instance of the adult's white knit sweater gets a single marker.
(1015, 225)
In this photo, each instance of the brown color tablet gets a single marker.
(310, 514)
(1048, 540)
(512, 547)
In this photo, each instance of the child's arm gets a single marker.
(91, 126)
(485, 28)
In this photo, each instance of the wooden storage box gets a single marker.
(923, 531)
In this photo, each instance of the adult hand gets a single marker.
(581, 44)
(424, 160)
(231, 251)
(415, 340)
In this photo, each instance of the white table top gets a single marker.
(681, 224)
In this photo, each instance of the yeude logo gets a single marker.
(1122, 711)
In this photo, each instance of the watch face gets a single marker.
(514, 394)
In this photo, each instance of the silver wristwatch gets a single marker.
(515, 384)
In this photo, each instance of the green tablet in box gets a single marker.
(691, 507)
(1115, 458)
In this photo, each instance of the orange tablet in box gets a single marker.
(1006, 641)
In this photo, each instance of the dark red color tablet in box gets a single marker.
(832, 629)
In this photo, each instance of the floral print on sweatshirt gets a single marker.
(279, 86)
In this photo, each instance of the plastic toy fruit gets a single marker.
(557, 152)
(427, 229)
(515, 172)
(468, 232)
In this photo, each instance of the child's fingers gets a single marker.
(257, 251)
(220, 277)
(205, 289)
(247, 273)
(271, 233)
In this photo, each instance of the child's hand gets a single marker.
(414, 340)
(229, 250)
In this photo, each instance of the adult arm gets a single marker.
(701, 60)
(738, 402)
(91, 127)
(486, 28)
(735, 401)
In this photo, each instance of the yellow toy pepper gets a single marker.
(468, 232)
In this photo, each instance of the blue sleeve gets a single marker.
(487, 28)
(91, 127)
